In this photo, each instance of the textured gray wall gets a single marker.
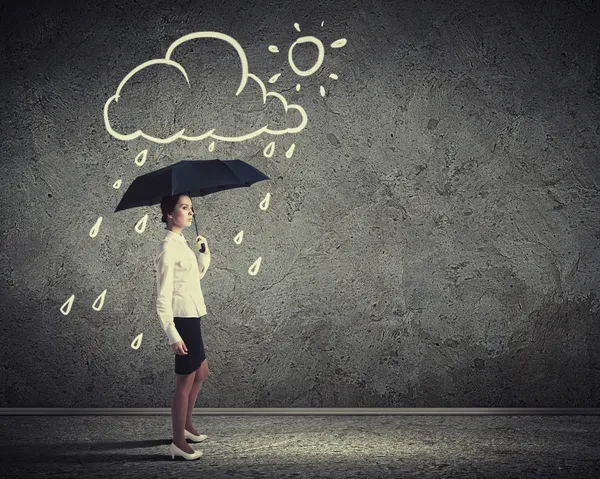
(432, 242)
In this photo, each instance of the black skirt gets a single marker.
(189, 330)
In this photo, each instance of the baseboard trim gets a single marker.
(300, 411)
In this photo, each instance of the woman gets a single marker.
(180, 304)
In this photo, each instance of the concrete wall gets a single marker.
(432, 241)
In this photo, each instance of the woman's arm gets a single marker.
(203, 262)
(165, 267)
(203, 257)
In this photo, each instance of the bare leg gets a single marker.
(179, 409)
(190, 406)
(201, 374)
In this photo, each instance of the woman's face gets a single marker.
(183, 213)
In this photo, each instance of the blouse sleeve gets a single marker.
(165, 267)
(203, 262)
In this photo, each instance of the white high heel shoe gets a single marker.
(193, 437)
(175, 451)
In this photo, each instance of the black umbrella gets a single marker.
(192, 177)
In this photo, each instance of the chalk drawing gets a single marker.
(339, 43)
(254, 269)
(264, 204)
(269, 149)
(95, 228)
(100, 300)
(141, 158)
(290, 152)
(140, 226)
(136, 343)
(66, 307)
(246, 75)
(315, 41)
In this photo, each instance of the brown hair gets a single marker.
(167, 205)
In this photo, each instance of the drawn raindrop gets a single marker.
(140, 226)
(239, 237)
(141, 158)
(273, 49)
(137, 342)
(96, 228)
(339, 43)
(212, 146)
(255, 267)
(297, 86)
(117, 184)
(296, 26)
(264, 204)
(322, 90)
(68, 303)
(274, 78)
(290, 152)
(101, 299)
(334, 76)
(322, 22)
(269, 149)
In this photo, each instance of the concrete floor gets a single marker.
(305, 447)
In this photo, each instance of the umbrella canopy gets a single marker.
(190, 177)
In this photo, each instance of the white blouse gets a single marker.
(178, 275)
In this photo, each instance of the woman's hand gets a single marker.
(179, 348)
(199, 240)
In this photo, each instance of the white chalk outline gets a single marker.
(245, 75)
(309, 39)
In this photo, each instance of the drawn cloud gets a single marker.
(158, 95)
